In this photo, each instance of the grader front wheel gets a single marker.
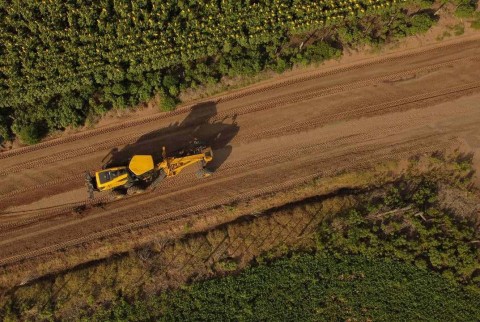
(89, 183)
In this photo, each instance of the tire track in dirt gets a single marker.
(158, 218)
(225, 171)
(280, 101)
(460, 45)
(318, 74)
(308, 150)
(228, 172)
(235, 168)
(362, 110)
(354, 113)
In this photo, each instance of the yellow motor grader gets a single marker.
(142, 173)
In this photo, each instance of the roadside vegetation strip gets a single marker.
(130, 81)
(404, 220)
(309, 288)
(261, 106)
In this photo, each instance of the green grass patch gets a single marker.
(476, 23)
(311, 288)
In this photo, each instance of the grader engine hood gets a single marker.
(141, 164)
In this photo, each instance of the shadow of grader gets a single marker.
(200, 124)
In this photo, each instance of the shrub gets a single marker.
(465, 10)
(425, 235)
(168, 103)
(320, 51)
(475, 24)
(31, 133)
(420, 23)
(4, 128)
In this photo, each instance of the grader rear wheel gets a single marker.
(133, 190)
(161, 175)
(116, 194)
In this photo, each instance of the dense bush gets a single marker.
(30, 133)
(310, 288)
(465, 8)
(420, 23)
(5, 131)
(422, 235)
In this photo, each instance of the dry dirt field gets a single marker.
(265, 137)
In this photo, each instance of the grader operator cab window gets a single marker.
(106, 176)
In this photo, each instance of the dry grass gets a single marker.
(36, 268)
(170, 259)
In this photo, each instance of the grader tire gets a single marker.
(115, 195)
(133, 190)
(162, 175)
(89, 184)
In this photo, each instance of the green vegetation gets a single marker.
(424, 235)
(458, 29)
(475, 24)
(310, 288)
(419, 24)
(62, 63)
(465, 8)
(30, 133)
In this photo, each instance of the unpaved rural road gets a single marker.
(265, 137)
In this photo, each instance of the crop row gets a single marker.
(51, 47)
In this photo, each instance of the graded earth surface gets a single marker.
(265, 138)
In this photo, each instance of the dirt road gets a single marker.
(264, 138)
